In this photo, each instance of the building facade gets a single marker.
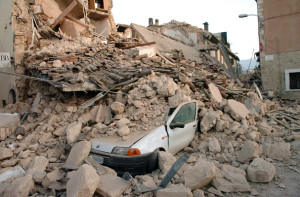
(279, 37)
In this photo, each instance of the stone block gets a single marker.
(83, 182)
(112, 186)
(11, 121)
(249, 151)
(165, 161)
(78, 153)
(236, 109)
(199, 175)
(5, 153)
(278, 150)
(213, 145)
(73, 131)
(260, 171)
(175, 191)
(38, 164)
(20, 187)
(231, 179)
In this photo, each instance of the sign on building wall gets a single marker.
(269, 58)
(5, 60)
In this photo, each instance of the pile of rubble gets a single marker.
(46, 143)
(82, 89)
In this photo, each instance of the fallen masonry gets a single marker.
(78, 83)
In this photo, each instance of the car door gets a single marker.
(186, 115)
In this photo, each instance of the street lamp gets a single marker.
(246, 15)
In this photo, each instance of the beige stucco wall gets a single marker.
(279, 52)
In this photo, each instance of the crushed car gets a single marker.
(139, 154)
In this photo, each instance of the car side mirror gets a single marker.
(177, 125)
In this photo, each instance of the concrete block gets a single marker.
(112, 186)
(215, 93)
(9, 120)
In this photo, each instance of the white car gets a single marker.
(138, 154)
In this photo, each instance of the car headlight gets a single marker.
(126, 151)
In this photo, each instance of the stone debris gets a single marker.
(38, 176)
(213, 145)
(8, 124)
(20, 187)
(73, 131)
(112, 186)
(147, 181)
(199, 175)
(249, 151)
(117, 108)
(165, 161)
(109, 84)
(83, 182)
(175, 191)
(52, 177)
(261, 171)
(215, 191)
(198, 193)
(177, 99)
(264, 128)
(209, 120)
(278, 150)
(236, 109)
(296, 146)
(231, 179)
(166, 87)
(215, 93)
(12, 172)
(5, 153)
(9, 120)
(39, 164)
(79, 152)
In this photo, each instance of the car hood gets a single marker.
(108, 143)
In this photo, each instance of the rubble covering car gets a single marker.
(138, 155)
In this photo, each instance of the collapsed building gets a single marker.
(81, 77)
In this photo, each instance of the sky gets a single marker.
(222, 16)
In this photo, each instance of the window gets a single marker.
(3, 103)
(186, 114)
(99, 4)
(295, 80)
(292, 80)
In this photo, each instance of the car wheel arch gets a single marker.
(161, 149)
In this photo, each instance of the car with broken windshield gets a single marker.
(139, 154)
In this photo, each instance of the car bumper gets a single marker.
(135, 165)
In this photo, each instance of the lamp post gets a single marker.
(246, 15)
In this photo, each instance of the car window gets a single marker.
(186, 114)
(171, 111)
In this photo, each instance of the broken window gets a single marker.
(122, 28)
(3, 103)
(294, 80)
(186, 114)
(99, 4)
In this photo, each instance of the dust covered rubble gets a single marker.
(44, 147)
(237, 147)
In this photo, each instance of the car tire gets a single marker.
(153, 162)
